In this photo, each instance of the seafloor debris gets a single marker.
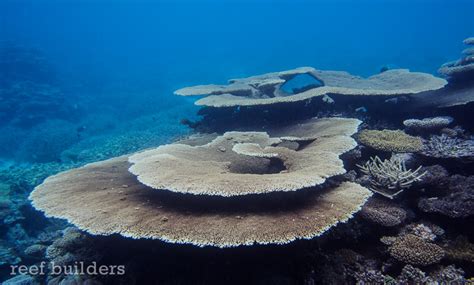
(266, 88)
(98, 203)
(390, 176)
(390, 140)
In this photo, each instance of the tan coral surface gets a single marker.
(246, 91)
(226, 168)
(103, 198)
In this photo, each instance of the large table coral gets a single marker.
(279, 205)
(104, 198)
(266, 89)
(463, 68)
(228, 165)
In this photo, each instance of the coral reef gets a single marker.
(457, 202)
(346, 266)
(414, 250)
(8, 256)
(390, 176)
(411, 274)
(265, 89)
(427, 232)
(436, 177)
(442, 275)
(428, 124)
(28, 89)
(130, 137)
(462, 69)
(47, 140)
(468, 41)
(460, 249)
(94, 192)
(21, 280)
(383, 212)
(447, 275)
(468, 51)
(229, 161)
(444, 146)
(263, 175)
(390, 141)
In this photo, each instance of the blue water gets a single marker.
(175, 43)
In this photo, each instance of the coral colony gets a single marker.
(390, 177)
(387, 194)
(281, 162)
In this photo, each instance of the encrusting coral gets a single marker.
(390, 176)
(266, 88)
(251, 160)
(390, 140)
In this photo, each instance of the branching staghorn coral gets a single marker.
(390, 176)
(446, 147)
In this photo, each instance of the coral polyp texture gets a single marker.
(383, 212)
(414, 250)
(241, 163)
(390, 176)
(390, 140)
(267, 88)
(461, 69)
(103, 198)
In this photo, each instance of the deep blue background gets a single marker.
(164, 45)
